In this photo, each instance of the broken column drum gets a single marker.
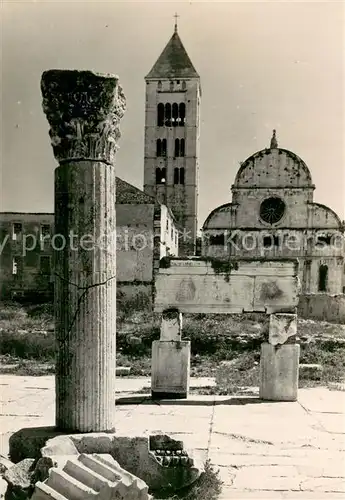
(84, 110)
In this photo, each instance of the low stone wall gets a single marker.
(322, 307)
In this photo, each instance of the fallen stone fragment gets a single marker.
(336, 386)
(310, 371)
(5, 464)
(122, 370)
(96, 476)
(61, 446)
(18, 479)
(3, 487)
(283, 328)
(28, 443)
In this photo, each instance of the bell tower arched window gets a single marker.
(160, 114)
(171, 115)
(182, 175)
(179, 148)
(168, 115)
(179, 175)
(175, 114)
(182, 113)
(161, 147)
(160, 175)
(176, 175)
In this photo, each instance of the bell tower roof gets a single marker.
(174, 61)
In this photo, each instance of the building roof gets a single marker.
(128, 194)
(273, 168)
(173, 62)
(125, 194)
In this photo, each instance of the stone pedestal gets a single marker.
(280, 359)
(83, 110)
(170, 370)
(279, 372)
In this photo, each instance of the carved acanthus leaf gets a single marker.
(84, 110)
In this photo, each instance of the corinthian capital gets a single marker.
(84, 110)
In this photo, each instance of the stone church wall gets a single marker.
(322, 307)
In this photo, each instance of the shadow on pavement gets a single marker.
(208, 401)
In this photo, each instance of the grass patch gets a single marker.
(226, 347)
(207, 487)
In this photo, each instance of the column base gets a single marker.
(170, 371)
(279, 372)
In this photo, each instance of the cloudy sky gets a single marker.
(263, 65)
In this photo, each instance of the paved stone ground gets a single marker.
(263, 450)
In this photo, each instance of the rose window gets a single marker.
(272, 210)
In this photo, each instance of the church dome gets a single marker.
(273, 167)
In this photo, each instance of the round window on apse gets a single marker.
(272, 210)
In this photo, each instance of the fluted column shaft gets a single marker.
(83, 110)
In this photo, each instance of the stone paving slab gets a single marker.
(262, 449)
(235, 494)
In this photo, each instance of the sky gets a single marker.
(263, 66)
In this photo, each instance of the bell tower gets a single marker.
(172, 129)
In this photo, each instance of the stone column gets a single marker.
(83, 110)
(279, 360)
(170, 370)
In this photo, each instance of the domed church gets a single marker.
(273, 215)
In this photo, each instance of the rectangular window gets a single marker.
(182, 175)
(16, 265)
(17, 230)
(217, 239)
(45, 231)
(45, 264)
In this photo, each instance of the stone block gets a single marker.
(3, 487)
(310, 371)
(170, 370)
(18, 479)
(95, 476)
(5, 464)
(279, 372)
(282, 328)
(28, 442)
(122, 371)
(211, 286)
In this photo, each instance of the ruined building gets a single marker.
(172, 127)
(145, 232)
(273, 214)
